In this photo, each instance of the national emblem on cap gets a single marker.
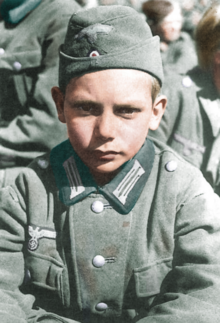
(94, 53)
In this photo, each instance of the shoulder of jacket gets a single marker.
(171, 160)
(179, 83)
(59, 11)
(66, 5)
(38, 174)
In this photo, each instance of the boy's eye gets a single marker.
(126, 111)
(88, 109)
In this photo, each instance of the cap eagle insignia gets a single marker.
(92, 32)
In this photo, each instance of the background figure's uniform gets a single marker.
(143, 248)
(190, 124)
(28, 69)
(180, 55)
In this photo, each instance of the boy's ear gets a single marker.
(58, 98)
(217, 57)
(159, 107)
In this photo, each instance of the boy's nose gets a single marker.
(106, 125)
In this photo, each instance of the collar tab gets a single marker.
(74, 178)
(127, 184)
(75, 181)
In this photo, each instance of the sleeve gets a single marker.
(16, 307)
(191, 290)
(38, 129)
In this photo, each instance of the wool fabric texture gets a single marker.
(108, 37)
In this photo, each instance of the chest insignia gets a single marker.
(128, 182)
(188, 145)
(37, 234)
(73, 176)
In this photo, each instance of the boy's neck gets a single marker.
(103, 178)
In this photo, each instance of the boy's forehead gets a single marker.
(111, 80)
(111, 88)
(111, 37)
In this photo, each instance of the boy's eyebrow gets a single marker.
(127, 106)
(85, 102)
(77, 103)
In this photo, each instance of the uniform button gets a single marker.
(101, 307)
(98, 261)
(187, 82)
(17, 66)
(171, 166)
(43, 163)
(97, 207)
(2, 51)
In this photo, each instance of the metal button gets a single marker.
(17, 66)
(43, 163)
(187, 82)
(171, 166)
(98, 261)
(97, 206)
(2, 51)
(101, 307)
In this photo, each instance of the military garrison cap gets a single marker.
(108, 37)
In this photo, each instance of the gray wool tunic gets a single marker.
(190, 124)
(150, 253)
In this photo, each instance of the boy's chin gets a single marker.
(106, 169)
(105, 172)
(104, 176)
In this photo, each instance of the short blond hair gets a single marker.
(207, 36)
(155, 88)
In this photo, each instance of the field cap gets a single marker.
(108, 37)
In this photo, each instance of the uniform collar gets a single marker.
(14, 11)
(75, 181)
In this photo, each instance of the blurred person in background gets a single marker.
(31, 33)
(192, 13)
(191, 123)
(135, 4)
(177, 48)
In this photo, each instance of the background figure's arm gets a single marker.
(191, 291)
(38, 129)
(15, 307)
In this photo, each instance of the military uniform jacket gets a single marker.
(143, 248)
(190, 124)
(180, 55)
(28, 69)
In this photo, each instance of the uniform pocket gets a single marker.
(45, 273)
(21, 60)
(148, 279)
(25, 78)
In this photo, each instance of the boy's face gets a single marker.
(108, 114)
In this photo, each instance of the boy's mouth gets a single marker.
(105, 155)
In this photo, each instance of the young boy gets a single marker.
(110, 227)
